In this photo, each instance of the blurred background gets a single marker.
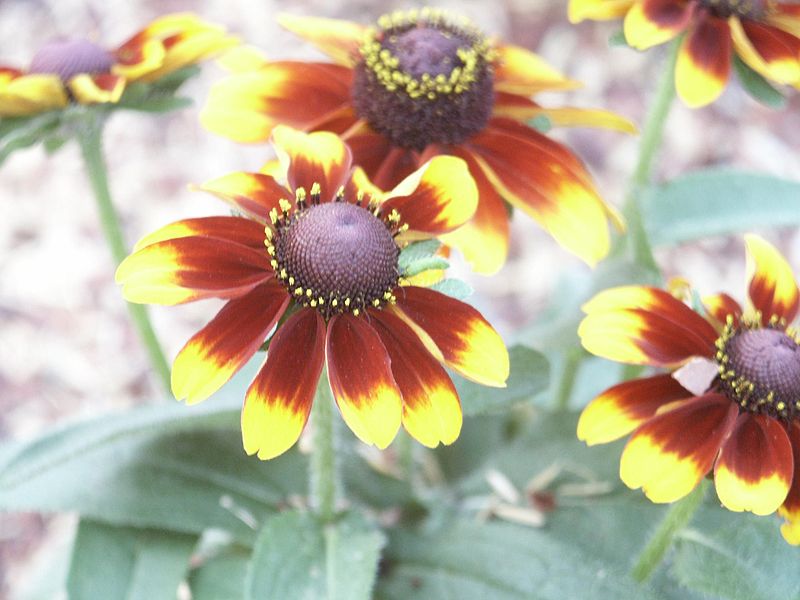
(67, 349)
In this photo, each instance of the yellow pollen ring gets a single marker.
(386, 66)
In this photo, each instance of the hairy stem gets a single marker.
(90, 139)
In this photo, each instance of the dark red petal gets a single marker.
(227, 342)
(279, 400)
(623, 407)
(754, 470)
(361, 379)
(431, 408)
(669, 455)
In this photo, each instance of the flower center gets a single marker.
(68, 58)
(335, 257)
(422, 79)
(751, 9)
(760, 369)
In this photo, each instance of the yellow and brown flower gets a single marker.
(318, 258)
(88, 73)
(765, 34)
(741, 419)
(422, 84)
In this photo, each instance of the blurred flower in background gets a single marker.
(742, 413)
(764, 34)
(424, 83)
(88, 73)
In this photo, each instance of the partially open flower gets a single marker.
(319, 260)
(765, 34)
(421, 84)
(742, 418)
(80, 70)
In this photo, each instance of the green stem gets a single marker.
(405, 455)
(572, 361)
(677, 517)
(90, 139)
(324, 470)
(652, 134)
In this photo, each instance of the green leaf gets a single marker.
(298, 558)
(594, 515)
(455, 288)
(417, 251)
(737, 556)
(220, 577)
(167, 466)
(719, 202)
(757, 86)
(529, 376)
(541, 123)
(19, 133)
(158, 96)
(469, 560)
(120, 562)
(425, 264)
(617, 39)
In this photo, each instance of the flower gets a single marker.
(421, 84)
(88, 73)
(765, 34)
(733, 406)
(324, 269)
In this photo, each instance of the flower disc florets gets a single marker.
(335, 257)
(423, 79)
(68, 58)
(751, 9)
(760, 369)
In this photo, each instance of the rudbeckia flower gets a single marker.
(317, 260)
(742, 415)
(765, 34)
(88, 73)
(421, 84)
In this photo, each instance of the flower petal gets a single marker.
(623, 407)
(770, 51)
(652, 22)
(191, 268)
(791, 506)
(214, 354)
(167, 44)
(721, 306)
(438, 197)
(457, 333)
(658, 301)
(31, 94)
(254, 194)
(520, 71)
(361, 379)
(97, 89)
(483, 241)
(233, 229)
(337, 38)
(370, 150)
(669, 455)
(278, 402)
(431, 408)
(755, 468)
(310, 158)
(597, 10)
(773, 289)
(704, 62)
(523, 109)
(189, 48)
(245, 107)
(555, 189)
